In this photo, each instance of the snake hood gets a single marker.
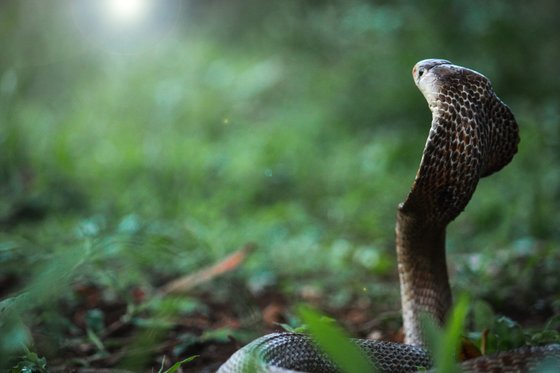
(473, 134)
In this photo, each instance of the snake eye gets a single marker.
(420, 72)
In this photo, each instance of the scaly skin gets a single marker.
(473, 134)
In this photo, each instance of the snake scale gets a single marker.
(473, 134)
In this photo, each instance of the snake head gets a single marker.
(428, 75)
(421, 69)
(473, 134)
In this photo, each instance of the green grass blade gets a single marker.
(178, 364)
(332, 340)
(445, 343)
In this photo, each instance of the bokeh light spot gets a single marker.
(128, 12)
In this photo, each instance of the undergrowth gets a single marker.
(293, 125)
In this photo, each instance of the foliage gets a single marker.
(31, 363)
(292, 124)
(499, 333)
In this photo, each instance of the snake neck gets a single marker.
(422, 274)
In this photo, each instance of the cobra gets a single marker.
(473, 134)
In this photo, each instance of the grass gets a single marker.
(445, 344)
(334, 343)
(295, 126)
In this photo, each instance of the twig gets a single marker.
(192, 280)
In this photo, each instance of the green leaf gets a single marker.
(221, 335)
(291, 329)
(178, 364)
(331, 339)
(508, 333)
(95, 340)
(445, 343)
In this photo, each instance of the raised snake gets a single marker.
(473, 134)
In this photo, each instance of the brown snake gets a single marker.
(473, 134)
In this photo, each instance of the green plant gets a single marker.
(175, 366)
(331, 338)
(30, 362)
(444, 343)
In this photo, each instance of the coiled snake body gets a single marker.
(473, 134)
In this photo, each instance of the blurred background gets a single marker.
(142, 141)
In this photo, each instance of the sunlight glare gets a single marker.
(128, 12)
